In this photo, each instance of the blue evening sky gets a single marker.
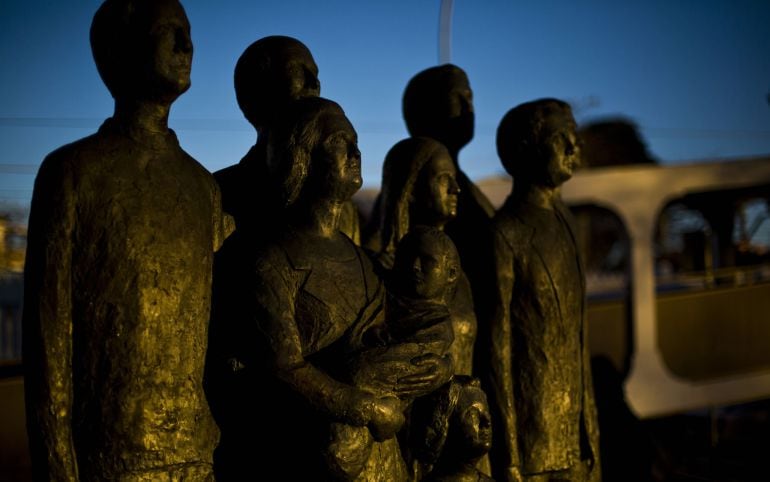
(694, 74)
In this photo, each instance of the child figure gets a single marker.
(452, 432)
(417, 323)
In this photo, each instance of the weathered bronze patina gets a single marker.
(540, 371)
(118, 274)
(270, 74)
(452, 431)
(417, 324)
(419, 188)
(307, 298)
(438, 103)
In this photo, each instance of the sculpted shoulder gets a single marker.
(200, 171)
(75, 155)
(509, 227)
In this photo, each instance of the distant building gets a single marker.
(13, 244)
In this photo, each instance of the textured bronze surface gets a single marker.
(285, 328)
(438, 103)
(540, 372)
(270, 74)
(121, 238)
(419, 188)
(452, 431)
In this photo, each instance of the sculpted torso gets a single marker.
(144, 221)
(325, 293)
(546, 307)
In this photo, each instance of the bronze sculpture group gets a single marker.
(446, 341)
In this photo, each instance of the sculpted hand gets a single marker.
(431, 371)
(387, 418)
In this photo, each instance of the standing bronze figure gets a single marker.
(540, 371)
(311, 294)
(419, 188)
(438, 103)
(118, 274)
(271, 73)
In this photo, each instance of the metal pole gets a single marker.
(445, 32)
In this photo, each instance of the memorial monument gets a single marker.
(419, 188)
(541, 390)
(282, 361)
(271, 73)
(122, 231)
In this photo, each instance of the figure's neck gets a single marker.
(538, 195)
(422, 219)
(142, 116)
(321, 218)
(261, 137)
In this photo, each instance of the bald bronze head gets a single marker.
(438, 103)
(142, 49)
(538, 144)
(272, 72)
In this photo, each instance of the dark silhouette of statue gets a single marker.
(270, 74)
(541, 389)
(308, 297)
(419, 188)
(122, 232)
(452, 431)
(438, 103)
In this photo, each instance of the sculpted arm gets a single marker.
(501, 354)
(47, 323)
(342, 402)
(223, 223)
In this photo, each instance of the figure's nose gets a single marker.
(466, 103)
(417, 265)
(182, 41)
(573, 146)
(454, 188)
(312, 83)
(354, 153)
(569, 149)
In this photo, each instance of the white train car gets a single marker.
(698, 337)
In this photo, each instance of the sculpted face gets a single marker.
(340, 155)
(475, 422)
(459, 109)
(560, 149)
(427, 269)
(438, 103)
(437, 190)
(296, 74)
(167, 56)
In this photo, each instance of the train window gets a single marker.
(713, 281)
(683, 245)
(751, 233)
